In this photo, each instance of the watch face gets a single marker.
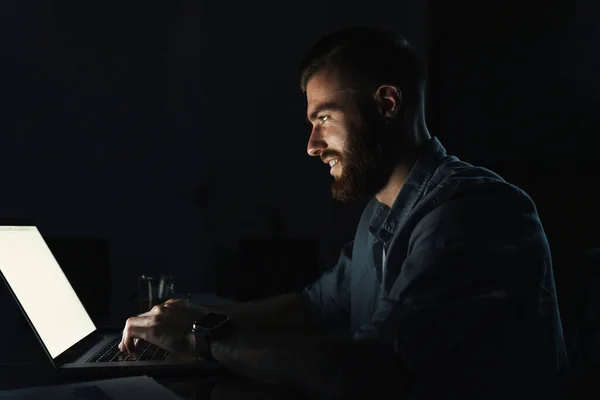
(212, 320)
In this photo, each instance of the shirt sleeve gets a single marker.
(471, 307)
(328, 299)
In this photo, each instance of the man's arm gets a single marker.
(286, 310)
(323, 305)
(317, 363)
(319, 366)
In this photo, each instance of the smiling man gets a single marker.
(447, 288)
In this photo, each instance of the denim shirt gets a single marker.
(456, 277)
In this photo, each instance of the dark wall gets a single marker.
(517, 80)
(166, 128)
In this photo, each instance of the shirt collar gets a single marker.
(386, 220)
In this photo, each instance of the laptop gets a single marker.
(58, 318)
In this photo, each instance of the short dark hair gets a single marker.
(367, 57)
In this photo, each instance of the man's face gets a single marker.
(349, 135)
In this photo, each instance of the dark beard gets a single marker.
(368, 160)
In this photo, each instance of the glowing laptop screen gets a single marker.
(42, 288)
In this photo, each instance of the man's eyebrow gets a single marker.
(330, 106)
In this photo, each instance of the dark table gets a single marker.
(214, 387)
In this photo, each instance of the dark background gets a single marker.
(148, 137)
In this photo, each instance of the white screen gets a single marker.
(42, 288)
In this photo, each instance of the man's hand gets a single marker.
(184, 310)
(167, 325)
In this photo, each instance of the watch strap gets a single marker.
(202, 345)
(203, 330)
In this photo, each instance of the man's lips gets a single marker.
(333, 164)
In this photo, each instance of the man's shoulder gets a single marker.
(476, 205)
(455, 179)
(456, 190)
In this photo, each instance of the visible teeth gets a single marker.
(332, 163)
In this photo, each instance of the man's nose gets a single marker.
(316, 144)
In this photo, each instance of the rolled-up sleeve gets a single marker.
(328, 299)
(466, 308)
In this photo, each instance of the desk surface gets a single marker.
(212, 387)
(192, 387)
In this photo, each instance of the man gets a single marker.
(447, 287)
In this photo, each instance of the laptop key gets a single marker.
(119, 356)
(107, 352)
(161, 354)
(148, 354)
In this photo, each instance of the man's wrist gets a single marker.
(210, 327)
(219, 340)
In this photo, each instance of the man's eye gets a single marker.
(323, 118)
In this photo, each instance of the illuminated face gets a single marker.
(348, 135)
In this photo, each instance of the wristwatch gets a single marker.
(204, 329)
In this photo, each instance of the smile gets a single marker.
(333, 164)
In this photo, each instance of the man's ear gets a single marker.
(389, 100)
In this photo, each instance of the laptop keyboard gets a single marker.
(145, 352)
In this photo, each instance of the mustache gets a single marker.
(331, 154)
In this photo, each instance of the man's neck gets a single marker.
(388, 194)
(399, 176)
